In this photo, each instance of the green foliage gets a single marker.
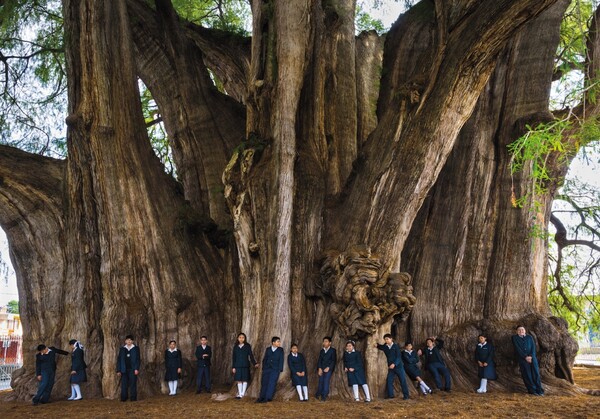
(33, 96)
(364, 22)
(13, 306)
(229, 15)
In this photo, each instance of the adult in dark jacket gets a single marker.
(525, 352)
(395, 366)
(173, 365)
(78, 367)
(410, 359)
(435, 363)
(45, 372)
(242, 359)
(272, 366)
(203, 357)
(298, 373)
(325, 368)
(355, 371)
(484, 355)
(128, 368)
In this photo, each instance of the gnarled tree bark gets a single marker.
(335, 162)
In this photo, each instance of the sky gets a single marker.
(389, 11)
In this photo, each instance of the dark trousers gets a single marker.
(268, 384)
(203, 373)
(531, 376)
(44, 388)
(392, 374)
(128, 383)
(323, 388)
(437, 368)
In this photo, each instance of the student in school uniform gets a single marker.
(173, 365)
(78, 367)
(203, 356)
(297, 365)
(410, 358)
(128, 368)
(355, 371)
(242, 359)
(393, 356)
(272, 366)
(484, 355)
(325, 368)
(435, 363)
(45, 372)
(525, 352)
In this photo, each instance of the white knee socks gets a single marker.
(77, 392)
(299, 390)
(367, 394)
(175, 387)
(424, 388)
(73, 393)
(305, 389)
(483, 386)
(244, 387)
(355, 391)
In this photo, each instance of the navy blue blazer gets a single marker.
(134, 358)
(202, 361)
(524, 346)
(77, 362)
(433, 355)
(327, 360)
(273, 360)
(45, 363)
(242, 357)
(393, 354)
(353, 360)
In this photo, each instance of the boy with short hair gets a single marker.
(435, 363)
(326, 366)
(203, 356)
(45, 372)
(128, 368)
(395, 366)
(272, 366)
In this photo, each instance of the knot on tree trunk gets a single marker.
(364, 292)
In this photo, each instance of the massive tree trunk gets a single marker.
(332, 163)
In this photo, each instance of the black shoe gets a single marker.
(123, 400)
(323, 398)
(447, 390)
(260, 400)
(238, 397)
(198, 391)
(405, 397)
(268, 400)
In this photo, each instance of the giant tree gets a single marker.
(326, 184)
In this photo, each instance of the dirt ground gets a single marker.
(455, 405)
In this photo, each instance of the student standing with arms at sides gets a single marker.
(242, 358)
(173, 365)
(78, 366)
(410, 359)
(355, 370)
(395, 366)
(128, 368)
(272, 366)
(435, 363)
(326, 366)
(45, 372)
(525, 352)
(484, 355)
(203, 356)
(297, 366)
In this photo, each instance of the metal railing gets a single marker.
(11, 358)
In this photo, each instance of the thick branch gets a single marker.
(29, 183)
(406, 158)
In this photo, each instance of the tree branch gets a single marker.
(29, 184)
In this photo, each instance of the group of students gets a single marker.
(400, 362)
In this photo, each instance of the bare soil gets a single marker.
(455, 404)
